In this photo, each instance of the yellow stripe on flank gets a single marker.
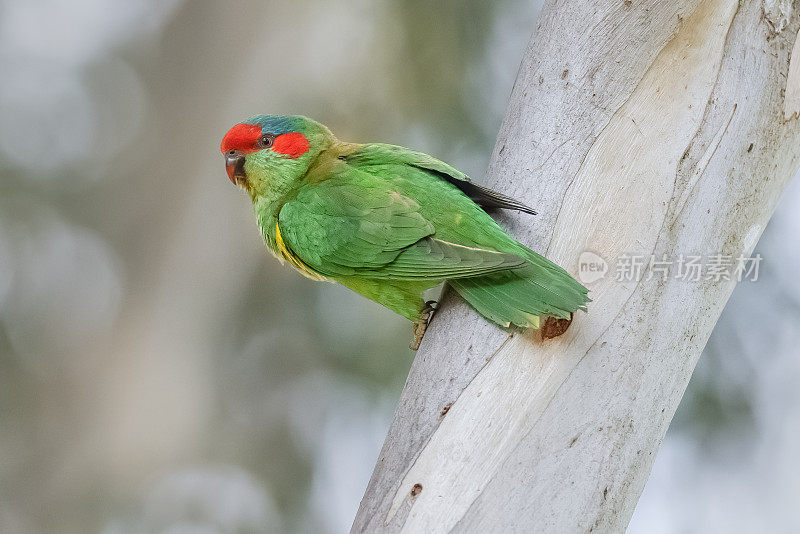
(296, 262)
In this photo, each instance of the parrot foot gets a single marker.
(421, 324)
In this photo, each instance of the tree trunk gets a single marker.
(640, 128)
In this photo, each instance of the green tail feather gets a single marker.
(521, 296)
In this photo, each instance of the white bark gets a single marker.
(643, 127)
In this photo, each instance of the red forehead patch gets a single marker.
(244, 138)
(292, 145)
(241, 137)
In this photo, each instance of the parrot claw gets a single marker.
(421, 324)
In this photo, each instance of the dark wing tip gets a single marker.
(504, 202)
(489, 199)
(521, 207)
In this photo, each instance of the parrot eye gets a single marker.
(265, 141)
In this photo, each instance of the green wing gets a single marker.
(353, 224)
(377, 154)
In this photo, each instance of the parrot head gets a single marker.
(269, 153)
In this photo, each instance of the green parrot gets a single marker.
(389, 223)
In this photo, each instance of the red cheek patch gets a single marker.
(292, 145)
(241, 137)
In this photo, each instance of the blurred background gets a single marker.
(159, 372)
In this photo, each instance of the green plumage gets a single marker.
(389, 223)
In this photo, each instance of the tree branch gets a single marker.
(655, 129)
